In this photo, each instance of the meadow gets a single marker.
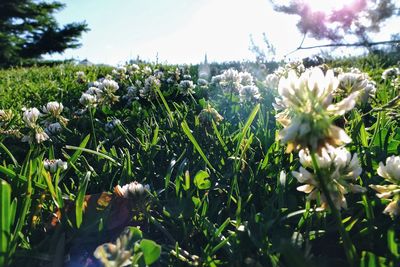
(201, 165)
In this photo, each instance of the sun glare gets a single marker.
(326, 6)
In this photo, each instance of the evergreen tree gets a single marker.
(29, 30)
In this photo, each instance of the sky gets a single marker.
(180, 31)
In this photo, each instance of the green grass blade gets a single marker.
(187, 131)
(93, 152)
(5, 220)
(81, 198)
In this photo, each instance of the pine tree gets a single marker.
(29, 30)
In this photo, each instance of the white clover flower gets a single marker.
(108, 85)
(53, 108)
(249, 93)
(202, 82)
(41, 136)
(230, 81)
(272, 81)
(6, 115)
(80, 76)
(391, 173)
(132, 190)
(339, 170)
(53, 128)
(88, 99)
(118, 254)
(390, 73)
(150, 85)
(52, 165)
(31, 116)
(95, 91)
(216, 79)
(350, 82)
(147, 70)
(187, 77)
(308, 109)
(208, 115)
(186, 87)
(246, 79)
(133, 67)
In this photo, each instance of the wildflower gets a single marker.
(202, 83)
(52, 165)
(249, 93)
(88, 100)
(246, 79)
(108, 85)
(132, 68)
(132, 190)
(37, 134)
(41, 136)
(230, 81)
(80, 76)
(53, 108)
(95, 92)
(208, 115)
(390, 73)
(31, 116)
(118, 254)
(150, 85)
(6, 115)
(339, 170)
(186, 87)
(147, 70)
(307, 110)
(354, 81)
(53, 128)
(391, 173)
(187, 77)
(131, 94)
(272, 80)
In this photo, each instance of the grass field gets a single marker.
(185, 166)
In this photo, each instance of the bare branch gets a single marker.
(365, 44)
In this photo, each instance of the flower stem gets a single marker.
(92, 125)
(350, 250)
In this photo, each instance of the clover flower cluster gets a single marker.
(148, 89)
(208, 115)
(186, 86)
(305, 110)
(52, 165)
(272, 79)
(51, 119)
(80, 77)
(393, 75)
(133, 190)
(120, 73)
(118, 254)
(391, 191)
(338, 168)
(100, 92)
(390, 73)
(353, 81)
(241, 83)
(6, 128)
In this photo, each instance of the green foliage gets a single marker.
(217, 195)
